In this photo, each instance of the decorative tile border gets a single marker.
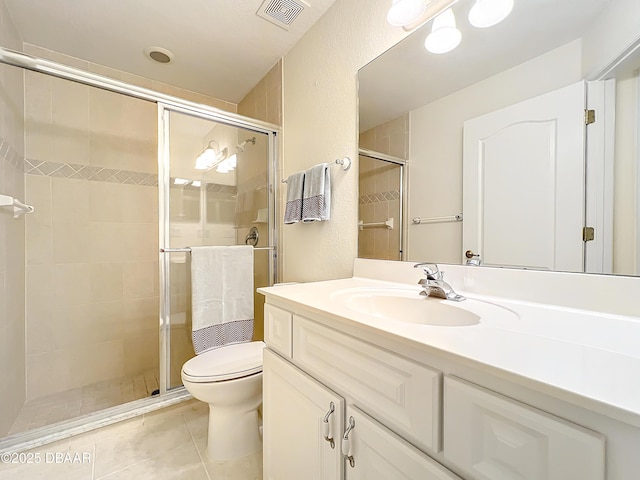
(9, 155)
(210, 188)
(99, 174)
(88, 172)
(379, 197)
(218, 188)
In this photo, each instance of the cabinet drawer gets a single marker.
(495, 438)
(277, 329)
(401, 394)
(379, 454)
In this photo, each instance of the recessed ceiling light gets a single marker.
(159, 54)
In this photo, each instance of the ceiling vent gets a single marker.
(281, 12)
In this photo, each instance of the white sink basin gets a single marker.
(407, 305)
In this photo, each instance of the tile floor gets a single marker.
(80, 401)
(169, 444)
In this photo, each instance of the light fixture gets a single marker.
(181, 181)
(444, 35)
(405, 12)
(211, 156)
(411, 14)
(228, 164)
(159, 54)
(486, 13)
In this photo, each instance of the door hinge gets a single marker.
(588, 234)
(589, 117)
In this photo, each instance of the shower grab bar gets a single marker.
(450, 218)
(188, 249)
(19, 208)
(388, 224)
(345, 164)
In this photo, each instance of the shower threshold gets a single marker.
(62, 406)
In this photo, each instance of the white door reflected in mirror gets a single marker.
(523, 193)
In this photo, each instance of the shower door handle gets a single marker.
(252, 237)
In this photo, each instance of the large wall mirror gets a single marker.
(501, 160)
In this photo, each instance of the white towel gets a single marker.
(316, 200)
(295, 190)
(221, 296)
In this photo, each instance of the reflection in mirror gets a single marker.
(541, 48)
(380, 206)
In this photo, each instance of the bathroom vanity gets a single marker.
(366, 379)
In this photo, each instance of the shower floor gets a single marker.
(70, 404)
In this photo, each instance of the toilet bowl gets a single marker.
(229, 379)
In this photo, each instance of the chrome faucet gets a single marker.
(434, 285)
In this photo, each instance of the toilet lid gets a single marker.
(225, 363)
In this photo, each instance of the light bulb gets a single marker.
(405, 12)
(486, 13)
(444, 35)
(227, 165)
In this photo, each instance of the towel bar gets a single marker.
(449, 218)
(387, 224)
(345, 164)
(188, 249)
(19, 208)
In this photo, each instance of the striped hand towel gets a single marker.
(295, 190)
(316, 200)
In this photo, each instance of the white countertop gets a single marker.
(593, 355)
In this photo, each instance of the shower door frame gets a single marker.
(164, 184)
(41, 436)
(404, 182)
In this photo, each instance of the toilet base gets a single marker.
(232, 435)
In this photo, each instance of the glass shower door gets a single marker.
(217, 192)
(380, 209)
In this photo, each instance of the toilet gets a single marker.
(229, 379)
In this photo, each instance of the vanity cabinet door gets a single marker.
(294, 407)
(379, 454)
(496, 438)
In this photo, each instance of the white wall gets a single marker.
(435, 151)
(320, 124)
(612, 33)
(626, 177)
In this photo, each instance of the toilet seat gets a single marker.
(225, 363)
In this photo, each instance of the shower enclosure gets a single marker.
(381, 206)
(110, 169)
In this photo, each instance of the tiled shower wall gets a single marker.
(379, 189)
(12, 252)
(264, 101)
(92, 244)
(390, 138)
